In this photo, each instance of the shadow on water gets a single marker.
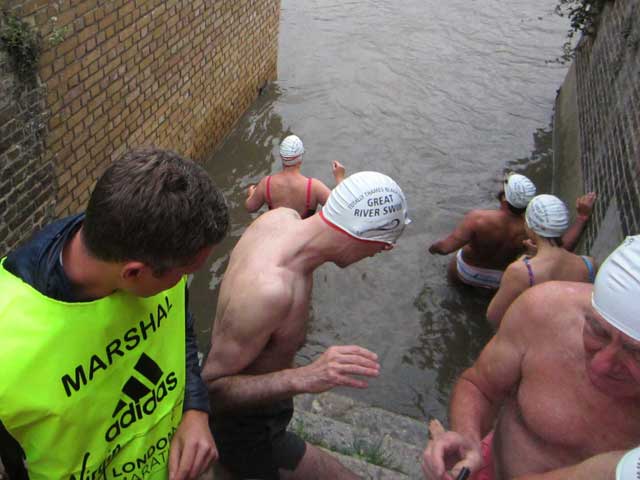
(539, 165)
(453, 332)
(246, 156)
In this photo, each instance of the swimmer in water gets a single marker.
(546, 220)
(289, 188)
(487, 241)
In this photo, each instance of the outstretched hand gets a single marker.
(447, 452)
(338, 171)
(435, 249)
(584, 205)
(337, 367)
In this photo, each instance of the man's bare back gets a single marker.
(537, 373)
(496, 239)
(258, 267)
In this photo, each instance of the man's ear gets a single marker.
(132, 270)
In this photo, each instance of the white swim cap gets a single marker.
(291, 150)
(368, 206)
(519, 190)
(629, 466)
(617, 287)
(547, 216)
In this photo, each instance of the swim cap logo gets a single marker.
(145, 399)
(392, 225)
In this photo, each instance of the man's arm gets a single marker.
(477, 397)
(256, 196)
(584, 207)
(245, 330)
(514, 281)
(462, 235)
(600, 467)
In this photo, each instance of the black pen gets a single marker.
(464, 474)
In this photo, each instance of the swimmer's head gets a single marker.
(291, 150)
(367, 206)
(518, 190)
(629, 466)
(547, 216)
(617, 286)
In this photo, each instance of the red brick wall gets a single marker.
(118, 74)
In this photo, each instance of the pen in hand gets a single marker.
(464, 474)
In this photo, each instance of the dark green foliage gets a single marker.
(22, 44)
(583, 15)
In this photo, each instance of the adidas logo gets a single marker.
(143, 398)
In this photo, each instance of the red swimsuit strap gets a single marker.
(268, 192)
(308, 204)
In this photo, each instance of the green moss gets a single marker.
(22, 44)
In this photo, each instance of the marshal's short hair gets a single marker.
(154, 206)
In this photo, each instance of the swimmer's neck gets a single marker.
(544, 245)
(314, 244)
(505, 209)
(291, 168)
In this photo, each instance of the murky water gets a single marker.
(441, 96)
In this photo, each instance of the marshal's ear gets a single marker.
(132, 270)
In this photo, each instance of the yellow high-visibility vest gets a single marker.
(92, 389)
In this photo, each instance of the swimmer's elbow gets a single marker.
(250, 206)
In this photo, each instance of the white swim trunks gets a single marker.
(477, 276)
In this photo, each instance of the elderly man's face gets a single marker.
(613, 358)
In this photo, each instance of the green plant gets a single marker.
(583, 15)
(22, 44)
(371, 452)
(58, 34)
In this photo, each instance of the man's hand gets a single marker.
(192, 447)
(338, 171)
(584, 205)
(447, 452)
(250, 190)
(336, 367)
(435, 249)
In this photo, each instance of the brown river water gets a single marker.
(441, 96)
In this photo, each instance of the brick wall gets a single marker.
(26, 178)
(123, 73)
(608, 110)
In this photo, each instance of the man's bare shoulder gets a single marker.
(278, 215)
(271, 288)
(547, 308)
(517, 270)
(480, 219)
(276, 219)
(257, 303)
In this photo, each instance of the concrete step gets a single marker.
(377, 420)
(356, 441)
(367, 470)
